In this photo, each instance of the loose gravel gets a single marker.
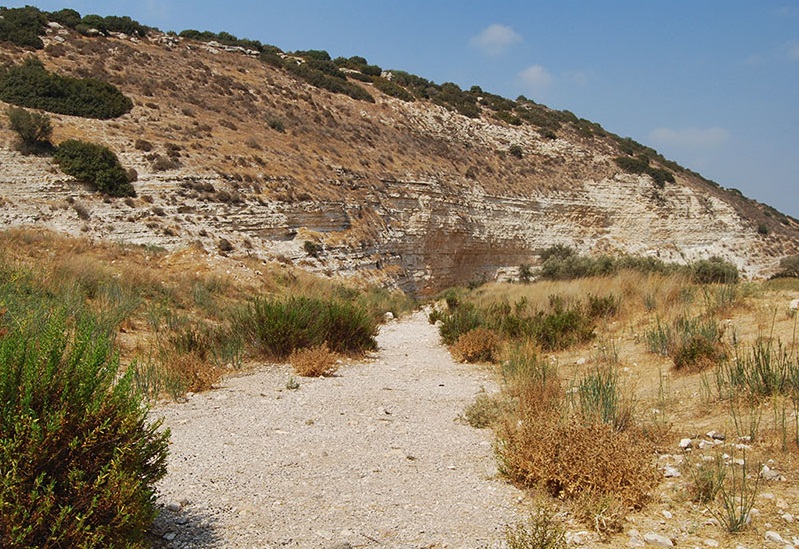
(375, 456)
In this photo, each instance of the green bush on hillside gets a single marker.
(113, 23)
(22, 26)
(392, 89)
(94, 164)
(78, 457)
(30, 85)
(66, 17)
(34, 129)
(640, 165)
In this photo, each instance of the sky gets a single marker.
(711, 84)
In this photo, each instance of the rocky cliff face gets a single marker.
(408, 193)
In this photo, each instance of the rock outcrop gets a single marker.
(406, 193)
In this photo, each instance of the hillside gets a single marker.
(240, 155)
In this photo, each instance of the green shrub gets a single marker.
(326, 79)
(452, 97)
(459, 321)
(113, 23)
(30, 85)
(66, 17)
(789, 267)
(714, 270)
(78, 458)
(692, 343)
(516, 151)
(94, 164)
(394, 90)
(34, 129)
(275, 327)
(640, 165)
(22, 26)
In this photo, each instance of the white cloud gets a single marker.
(536, 78)
(695, 138)
(496, 39)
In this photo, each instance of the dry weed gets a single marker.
(478, 345)
(314, 361)
(191, 372)
(570, 459)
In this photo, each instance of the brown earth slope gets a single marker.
(403, 192)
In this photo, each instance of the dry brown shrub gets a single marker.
(478, 345)
(189, 372)
(314, 361)
(570, 459)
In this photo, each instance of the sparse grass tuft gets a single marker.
(485, 411)
(541, 530)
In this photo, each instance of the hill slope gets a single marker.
(244, 156)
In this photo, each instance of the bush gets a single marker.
(30, 85)
(478, 345)
(66, 17)
(714, 270)
(640, 165)
(789, 267)
(515, 151)
(79, 458)
(392, 89)
(34, 129)
(275, 327)
(320, 74)
(94, 164)
(22, 26)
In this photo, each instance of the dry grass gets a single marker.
(314, 361)
(560, 433)
(173, 308)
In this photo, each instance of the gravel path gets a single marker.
(373, 457)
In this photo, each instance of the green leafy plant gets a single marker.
(94, 164)
(78, 457)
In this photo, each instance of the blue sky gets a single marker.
(712, 84)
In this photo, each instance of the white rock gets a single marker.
(174, 506)
(666, 514)
(774, 537)
(671, 472)
(711, 543)
(388, 317)
(685, 443)
(794, 304)
(787, 517)
(652, 538)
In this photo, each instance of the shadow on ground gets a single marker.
(184, 527)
